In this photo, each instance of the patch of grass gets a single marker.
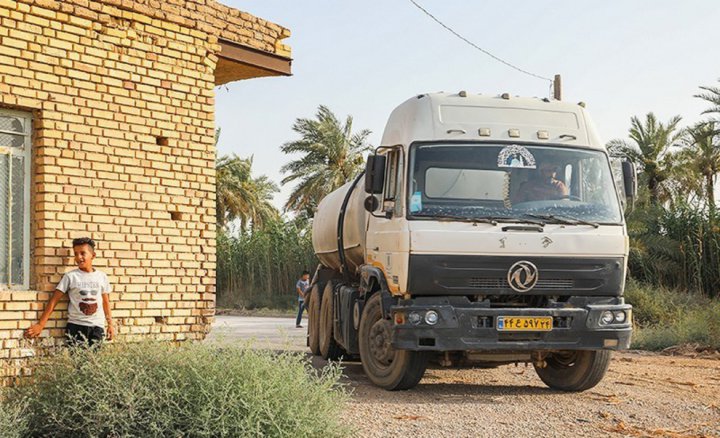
(194, 390)
(666, 318)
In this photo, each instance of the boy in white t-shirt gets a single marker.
(88, 290)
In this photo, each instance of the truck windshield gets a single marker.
(512, 182)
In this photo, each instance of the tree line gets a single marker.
(674, 226)
(260, 252)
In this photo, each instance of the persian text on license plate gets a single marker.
(524, 323)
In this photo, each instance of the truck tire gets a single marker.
(314, 320)
(574, 370)
(386, 367)
(329, 349)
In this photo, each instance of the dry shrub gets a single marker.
(665, 318)
(12, 422)
(194, 390)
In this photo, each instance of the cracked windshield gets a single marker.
(512, 182)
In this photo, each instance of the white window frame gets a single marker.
(26, 153)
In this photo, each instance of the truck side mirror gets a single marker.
(629, 180)
(375, 174)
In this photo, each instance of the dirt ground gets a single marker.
(642, 395)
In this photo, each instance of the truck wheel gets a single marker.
(314, 320)
(329, 349)
(386, 367)
(574, 370)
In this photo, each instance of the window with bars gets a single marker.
(15, 133)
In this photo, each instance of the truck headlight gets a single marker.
(414, 318)
(431, 318)
(606, 318)
(620, 316)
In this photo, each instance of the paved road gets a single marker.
(260, 332)
(643, 395)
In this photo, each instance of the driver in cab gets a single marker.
(542, 186)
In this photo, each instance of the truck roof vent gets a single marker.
(420, 96)
(582, 104)
(463, 93)
(505, 96)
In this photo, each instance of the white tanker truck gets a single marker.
(484, 231)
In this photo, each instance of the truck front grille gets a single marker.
(501, 283)
(487, 275)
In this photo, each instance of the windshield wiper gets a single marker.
(568, 220)
(494, 220)
(451, 217)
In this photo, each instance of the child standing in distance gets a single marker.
(301, 288)
(88, 290)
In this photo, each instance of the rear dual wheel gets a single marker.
(386, 367)
(328, 348)
(314, 319)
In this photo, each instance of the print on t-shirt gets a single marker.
(88, 302)
(85, 290)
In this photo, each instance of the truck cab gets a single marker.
(493, 234)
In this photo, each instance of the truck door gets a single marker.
(388, 238)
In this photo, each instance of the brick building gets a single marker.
(107, 130)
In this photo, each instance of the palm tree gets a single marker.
(332, 155)
(240, 196)
(703, 156)
(651, 151)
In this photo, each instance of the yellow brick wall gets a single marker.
(122, 99)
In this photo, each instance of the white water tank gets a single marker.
(325, 225)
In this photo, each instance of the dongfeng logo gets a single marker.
(522, 276)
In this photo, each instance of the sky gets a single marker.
(364, 58)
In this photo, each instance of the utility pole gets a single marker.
(557, 88)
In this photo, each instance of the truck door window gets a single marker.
(393, 183)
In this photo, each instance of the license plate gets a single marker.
(524, 323)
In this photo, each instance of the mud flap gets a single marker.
(386, 302)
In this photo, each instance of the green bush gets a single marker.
(12, 422)
(677, 246)
(194, 390)
(665, 318)
(658, 305)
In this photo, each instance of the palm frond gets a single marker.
(240, 196)
(331, 154)
(712, 96)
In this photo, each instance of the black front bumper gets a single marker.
(466, 326)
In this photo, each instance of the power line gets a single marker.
(478, 47)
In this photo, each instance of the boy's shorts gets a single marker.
(84, 335)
